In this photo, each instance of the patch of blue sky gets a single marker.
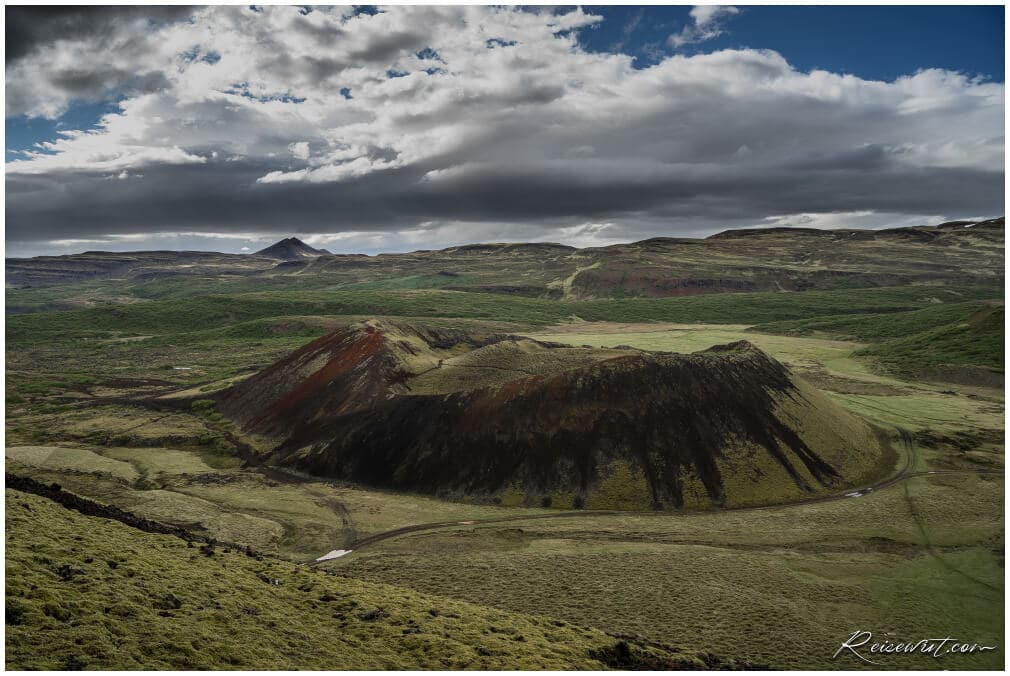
(23, 133)
(871, 42)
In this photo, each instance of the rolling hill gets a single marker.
(952, 342)
(772, 259)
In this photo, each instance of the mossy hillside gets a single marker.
(751, 477)
(862, 453)
(161, 462)
(976, 340)
(906, 342)
(74, 460)
(42, 424)
(168, 505)
(876, 326)
(86, 592)
(296, 518)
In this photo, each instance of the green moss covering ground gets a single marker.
(777, 586)
(86, 592)
(178, 317)
(976, 340)
(780, 586)
(944, 334)
(870, 327)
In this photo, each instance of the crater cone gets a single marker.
(510, 419)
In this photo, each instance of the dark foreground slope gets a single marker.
(84, 592)
(516, 420)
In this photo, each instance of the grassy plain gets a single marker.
(779, 586)
(184, 315)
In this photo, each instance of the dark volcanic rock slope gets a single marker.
(509, 418)
(291, 249)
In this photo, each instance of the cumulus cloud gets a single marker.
(707, 23)
(56, 54)
(425, 126)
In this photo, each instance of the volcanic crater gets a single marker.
(512, 420)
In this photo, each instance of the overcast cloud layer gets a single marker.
(423, 127)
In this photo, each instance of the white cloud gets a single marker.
(300, 150)
(704, 15)
(852, 219)
(707, 25)
(513, 128)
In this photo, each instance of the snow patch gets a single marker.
(335, 554)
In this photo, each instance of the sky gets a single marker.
(364, 129)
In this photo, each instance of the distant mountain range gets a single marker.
(773, 259)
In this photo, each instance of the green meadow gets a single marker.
(780, 586)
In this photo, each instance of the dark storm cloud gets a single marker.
(539, 140)
(219, 198)
(31, 27)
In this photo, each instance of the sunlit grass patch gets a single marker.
(70, 460)
(155, 461)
